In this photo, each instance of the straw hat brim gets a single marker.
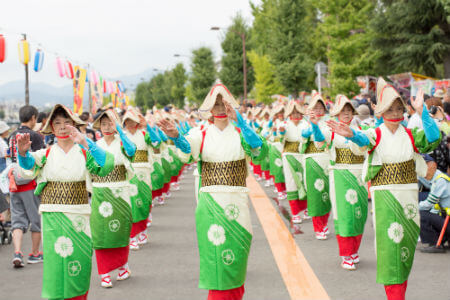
(131, 114)
(386, 96)
(47, 130)
(210, 99)
(110, 114)
(315, 99)
(341, 102)
(290, 108)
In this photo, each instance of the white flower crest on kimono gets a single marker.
(121, 192)
(170, 159)
(114, 225)
(79, 223)
(105, 209)
(351, 196)
(395, 232)
(319, 184)
(216, 235)
(278, 162)
(404, 254)
(74, 268)
(232, 212)
(133, 190)
(64, 246)
(227, 257)
(410, 211)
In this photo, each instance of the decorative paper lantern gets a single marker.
(38, 60)
(94, 77)
(104, 86)
(24, 52)
(60, 66)
(68, 69)
(2, 48)
(87, 77)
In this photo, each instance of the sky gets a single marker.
(116, 37)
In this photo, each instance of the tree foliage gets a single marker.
(413, 36)
(203, 74)
(232, 74)
(179, 78)
(345, 32)
(266, 83)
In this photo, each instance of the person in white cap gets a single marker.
(222, 216)
(392, 166)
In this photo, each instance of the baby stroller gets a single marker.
(5, 227)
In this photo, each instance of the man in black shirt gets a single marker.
(24, 204)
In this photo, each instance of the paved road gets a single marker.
(167, 268)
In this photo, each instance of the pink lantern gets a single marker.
(2, 48)
(60, 66)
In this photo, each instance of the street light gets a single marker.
(244, 56)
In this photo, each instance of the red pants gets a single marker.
(233, 294)
(111, 259)
(82, 297)
(348, 245)
(396, 291)
(267, 175)
(156, 193)
(297, 206)
(138, 227)
(319, 223)
(257, 170)
(166, 187)
(280, 186)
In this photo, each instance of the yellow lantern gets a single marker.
(24, 52)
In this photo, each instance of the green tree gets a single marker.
(143, 96)
(266, 82)
(413, 36)
(345, 30)
(203, 73)
(232, 74)
(262, 27)
(290, 49)
(177, 91)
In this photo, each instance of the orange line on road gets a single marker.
(298, 276)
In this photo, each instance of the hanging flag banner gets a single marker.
(96, 94)
(79, 81)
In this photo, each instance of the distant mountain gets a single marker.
(44, 93)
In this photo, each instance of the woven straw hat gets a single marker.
(386, 95)
(210, 100)
(341, 101)
(290, 108)
(75, 118)
(112, 115)
(316, 97)
(277, 109)
(131, 114)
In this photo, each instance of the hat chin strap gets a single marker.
(62, 137)
(108, 133)
(395, 120)
(220, 116)
(348, 123)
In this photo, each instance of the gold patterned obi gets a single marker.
(232, 173)
(68, 193)
(291, 146)
(312, 148)
(170, 142)
(346, 156)
(141, 156)
(157, 150)
(119, 173)
(396, 173)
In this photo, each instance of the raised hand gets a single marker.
(340, 128)
(313, 118)
(168, 127)
(231, 113)
(23, 143)
(417, 103)
(77, 137)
